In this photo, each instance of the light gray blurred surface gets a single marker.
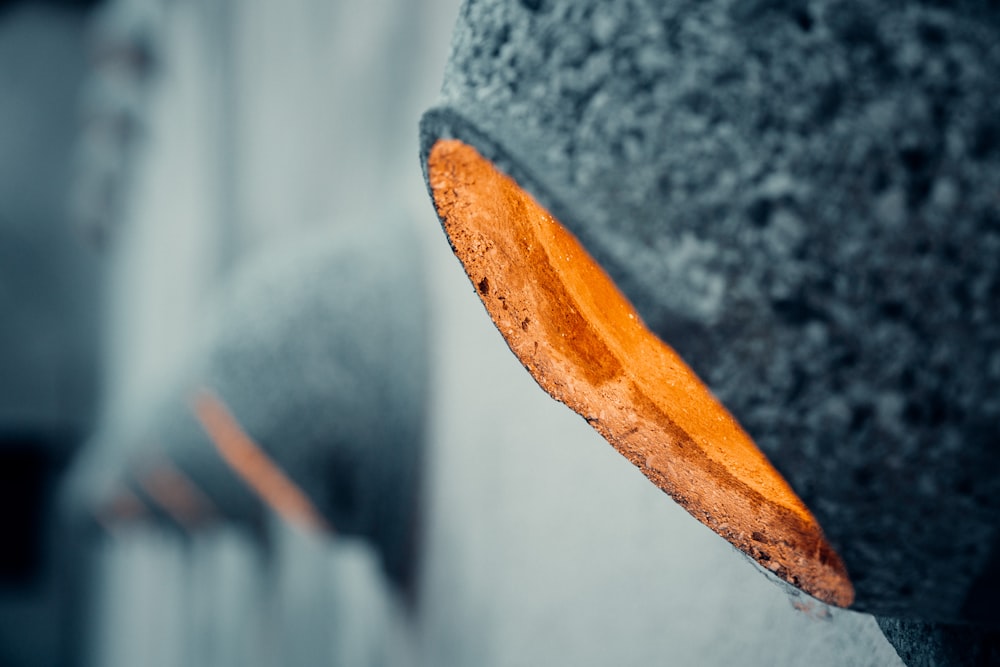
(542, 546)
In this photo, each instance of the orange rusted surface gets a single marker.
(177, 494)
(254, 466)
(586, 346)
(123, 507)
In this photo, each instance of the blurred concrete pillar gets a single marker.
(50, 321)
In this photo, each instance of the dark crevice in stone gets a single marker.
(803, 19)
(986, 138)
(797, 310)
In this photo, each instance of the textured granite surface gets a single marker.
(804, 200)
(319, 350)
(936, 645)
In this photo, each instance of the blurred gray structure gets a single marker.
(263, 121)
(50, 322)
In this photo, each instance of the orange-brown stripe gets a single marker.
(253, 465)
(585, 344)
(178, 495)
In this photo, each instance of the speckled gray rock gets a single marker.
(804, 201)
(319, 351)
(934, 645)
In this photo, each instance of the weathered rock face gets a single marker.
(805, 203)
(922, 644)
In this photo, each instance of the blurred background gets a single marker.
(201, 193)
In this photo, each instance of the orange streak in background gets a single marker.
(124, 507)
(177, 493)
(252, 464)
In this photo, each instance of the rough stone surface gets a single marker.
(804, 200)
(935, 645)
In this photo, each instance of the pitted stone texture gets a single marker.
(804, 200)
(936, 645)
